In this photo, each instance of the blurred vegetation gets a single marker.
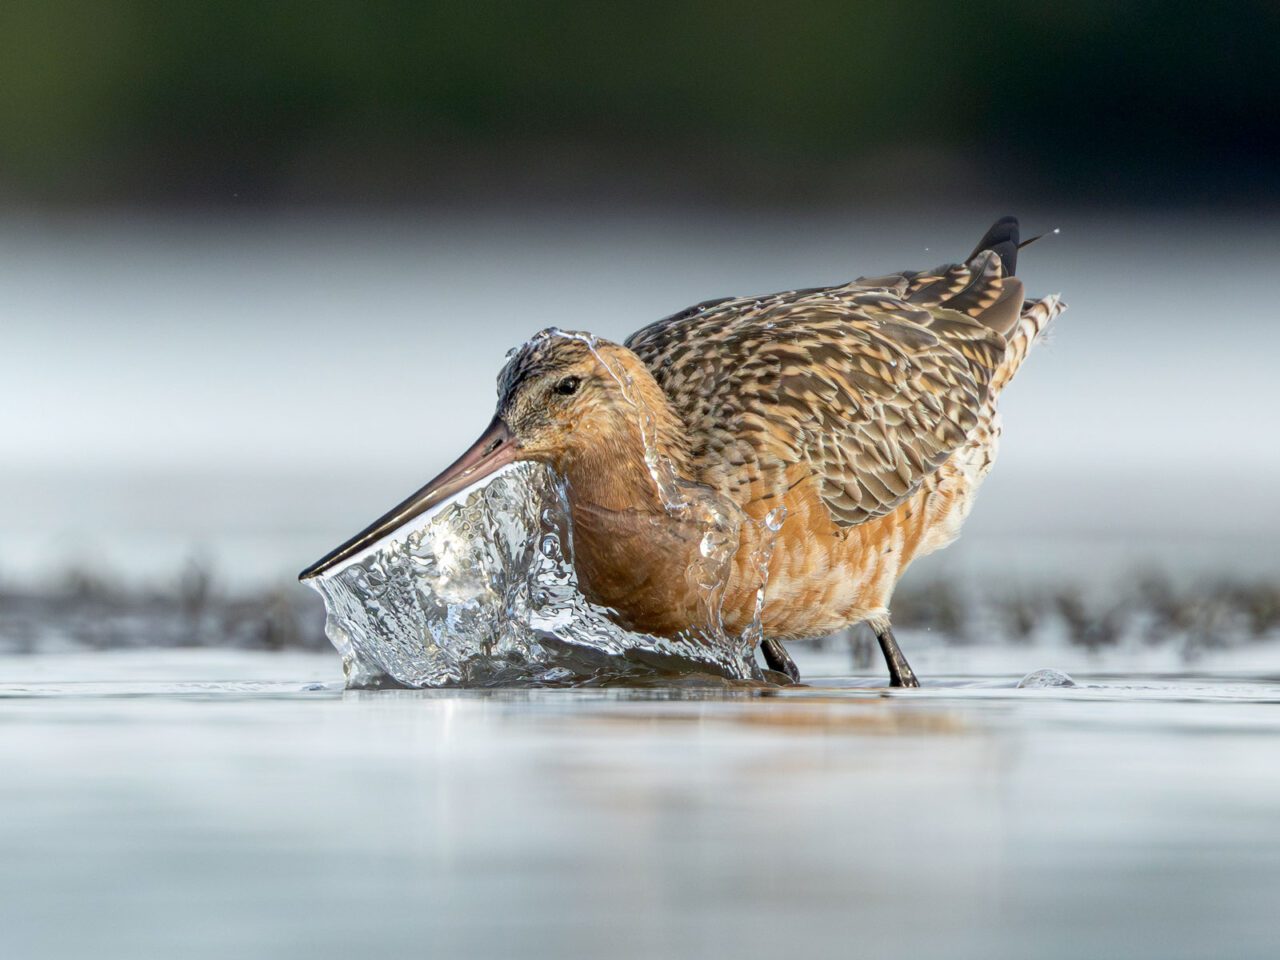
(88, 610)
(212, 101)
(1148, 610)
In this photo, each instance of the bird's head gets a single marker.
(563, 398)
(563, 395)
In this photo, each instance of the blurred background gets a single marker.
(259, 265)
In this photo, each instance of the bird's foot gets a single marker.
(776, 656)
(900, 672)
(904, 678)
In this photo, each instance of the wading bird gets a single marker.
(865, 411)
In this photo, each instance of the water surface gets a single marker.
(221, 803)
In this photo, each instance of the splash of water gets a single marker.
(481, 590)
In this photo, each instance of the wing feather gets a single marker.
(867, 387)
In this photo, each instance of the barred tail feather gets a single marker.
(1036, 317)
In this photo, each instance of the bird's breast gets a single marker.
(821, 576)
(635, 561)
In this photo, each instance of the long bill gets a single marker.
(495, 449)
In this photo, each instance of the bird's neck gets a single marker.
(631, 550)
(628, 463)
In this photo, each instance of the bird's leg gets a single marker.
(776, 656)
(900, 672)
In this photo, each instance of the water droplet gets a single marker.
(1048, 677)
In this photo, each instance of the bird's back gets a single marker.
(866, 410)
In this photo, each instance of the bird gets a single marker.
(774, 461)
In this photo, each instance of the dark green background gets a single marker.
(253, 101)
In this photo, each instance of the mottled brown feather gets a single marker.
(868, 386)
(866, 411)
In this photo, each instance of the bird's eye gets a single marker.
(568, 386)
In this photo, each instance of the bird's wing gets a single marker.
(869, 387)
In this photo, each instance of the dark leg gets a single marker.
(776, 656)
(900, 673)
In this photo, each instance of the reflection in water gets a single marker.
(1134, 816)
